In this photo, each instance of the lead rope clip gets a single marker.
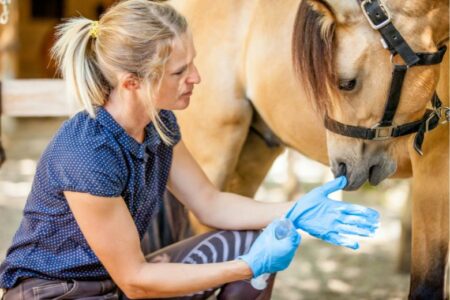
(444, 114)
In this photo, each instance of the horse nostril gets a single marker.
(372, 170)
(342, 170)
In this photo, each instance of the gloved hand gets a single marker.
(268, 254)
(328, 219)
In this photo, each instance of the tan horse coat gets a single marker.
(244, 57)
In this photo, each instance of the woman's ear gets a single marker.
(130, 82)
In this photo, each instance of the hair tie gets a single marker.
(94, 29)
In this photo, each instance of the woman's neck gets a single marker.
(129, 112)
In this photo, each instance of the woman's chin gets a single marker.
(183, 102)
(180, 104)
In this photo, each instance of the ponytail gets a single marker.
(77, 62)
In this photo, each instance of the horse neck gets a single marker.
(432, 14)
(443, 86)
(415, 8)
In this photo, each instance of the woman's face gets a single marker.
(180, 76)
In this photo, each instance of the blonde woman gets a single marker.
(101, 180)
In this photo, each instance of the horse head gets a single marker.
(347, 63)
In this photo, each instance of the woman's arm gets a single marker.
(190, 185)
(111, 233)
(314, 213)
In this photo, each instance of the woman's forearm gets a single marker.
(234, 212)
(156, 280)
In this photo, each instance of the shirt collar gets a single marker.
(151, 140)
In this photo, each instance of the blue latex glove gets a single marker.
(269, 254)
(329, 219)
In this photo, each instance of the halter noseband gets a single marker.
(380, 20)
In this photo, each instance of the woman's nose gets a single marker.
(194, 77)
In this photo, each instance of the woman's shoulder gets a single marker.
(82, 137)
(83, 156)
(82, 129)
(81, 125)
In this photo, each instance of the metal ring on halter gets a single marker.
(443, 114)
(383, 133)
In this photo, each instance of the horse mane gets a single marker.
(312, 52)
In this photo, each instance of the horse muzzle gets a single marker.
(358, 170)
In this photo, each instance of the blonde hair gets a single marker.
(133, 36)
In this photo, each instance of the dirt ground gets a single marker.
(320, 271)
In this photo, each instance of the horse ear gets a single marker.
(337, 10)
(322, 8)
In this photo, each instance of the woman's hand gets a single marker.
(329, 219)
(271, 253)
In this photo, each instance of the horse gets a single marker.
(313, 75)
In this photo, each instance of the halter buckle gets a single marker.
(385, 22)
(430, 117)
(382, 133)
(443, 114)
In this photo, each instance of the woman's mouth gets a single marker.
(187, 94)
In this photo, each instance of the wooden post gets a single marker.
(35, 98)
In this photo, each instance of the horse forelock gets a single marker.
(312, 50)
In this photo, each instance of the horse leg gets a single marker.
(255, 160)
(225, 136)
(404, 254)
(430, 213)
(217, 142)
(170, 225)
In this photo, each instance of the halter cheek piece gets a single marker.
(380, 19)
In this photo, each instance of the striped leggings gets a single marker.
(213, 247)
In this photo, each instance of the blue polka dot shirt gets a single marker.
(89, 155)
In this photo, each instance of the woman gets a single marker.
(102, 177)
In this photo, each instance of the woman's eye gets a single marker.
(347, 84)
(180, 72)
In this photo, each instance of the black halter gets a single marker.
(380, 19)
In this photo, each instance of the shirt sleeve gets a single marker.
(88, 168)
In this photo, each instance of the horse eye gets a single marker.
(347, 84)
